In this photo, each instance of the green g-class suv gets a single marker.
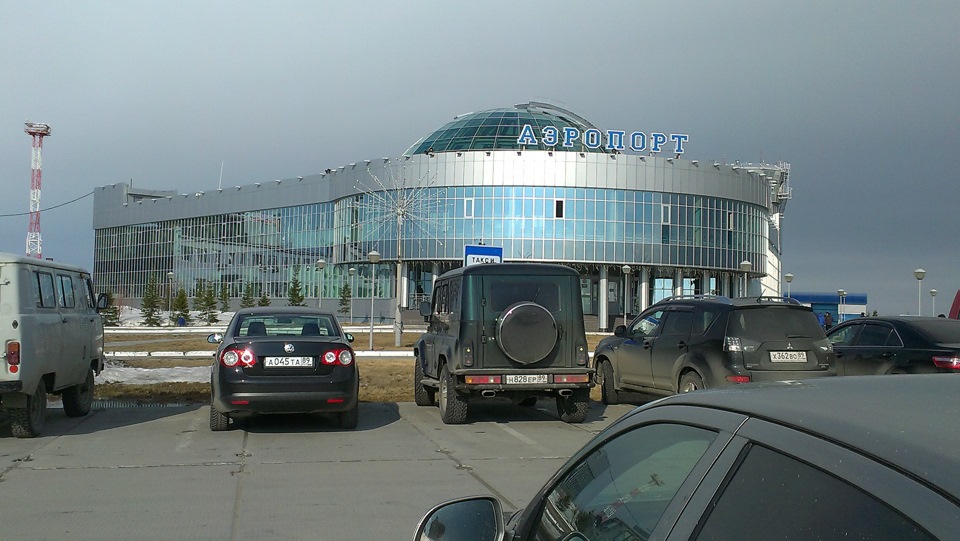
(504, 329)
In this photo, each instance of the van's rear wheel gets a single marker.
(78, 399)
(573, 408)
(27, 422)
(453, 406)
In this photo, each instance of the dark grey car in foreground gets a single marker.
(283, 360)
(827, 458)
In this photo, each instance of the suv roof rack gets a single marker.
(699, 297)
(769, 299)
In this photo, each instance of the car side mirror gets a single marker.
(479, 518)
(425, 310)
(102, 301)
(215, 338)
(620, 330)
(349, 336)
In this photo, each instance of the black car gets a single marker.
(828, 459)
(283, 360)
(896, 345)
(691, 342)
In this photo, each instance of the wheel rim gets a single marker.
(443, 391)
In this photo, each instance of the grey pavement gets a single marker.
(159, 473)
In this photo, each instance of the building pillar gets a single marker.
(678, 282)
(603, 311)
(644, 285)
(705, 281)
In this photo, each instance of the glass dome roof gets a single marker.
(498, 129)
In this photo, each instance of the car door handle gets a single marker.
(647, 344)
(888, 354)
(681, 344)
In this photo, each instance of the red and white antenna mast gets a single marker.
(38, 131)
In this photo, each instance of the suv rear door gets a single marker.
(778, 338)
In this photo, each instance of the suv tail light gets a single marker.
(343, 357)
(12, 355)
(582, 356)
(942, 361)
(233, 356)
(733, 344)
(468, 354)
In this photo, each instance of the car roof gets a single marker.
(285, 310)
(514, 269)
(910, 422)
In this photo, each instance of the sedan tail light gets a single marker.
(943, 361)
(231, 357)
(342, 357)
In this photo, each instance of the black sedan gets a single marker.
(828, 458)
(283, 360)
(896, 345)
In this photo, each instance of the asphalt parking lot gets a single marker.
(159, 473)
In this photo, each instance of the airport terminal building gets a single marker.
(625, 208)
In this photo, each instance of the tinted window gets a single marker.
(678, 322)
(774, 323)
(287, 325)
(703, 318)
(874, 335)
(507, 291)
(773, 496)
(621, 489)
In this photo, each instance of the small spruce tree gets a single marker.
(248, 299)
(208, 306)
(346, 294)
(264, 300)
(150, 304)
(224, 298)
(181, 307)
(111, 314)
(294, 291)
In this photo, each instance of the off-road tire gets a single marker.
(574, 408)
(28, 422)
(351, 418)
(689, 382)
(527, 332)
(422, 395)
(218, 421)
(78, 399)
(608, 391)
(453, 406)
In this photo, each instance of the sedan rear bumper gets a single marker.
(306, 395)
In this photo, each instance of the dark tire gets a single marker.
(28, 422)
(422, 395)
(608, 392)
(689, 382)
(453, 406)
(527, 332)
(528, 402)
(573, 408)
(351, 418)
(78, 399)
(218, 421)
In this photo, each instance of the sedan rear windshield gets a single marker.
(774, 323)
(286, 325)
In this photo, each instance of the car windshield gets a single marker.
(940, 331)
(774, 322)
(286, 325)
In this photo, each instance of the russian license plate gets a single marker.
(288, 362)
(525, 379)
(788, 356)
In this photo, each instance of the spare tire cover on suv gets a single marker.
(526, 332)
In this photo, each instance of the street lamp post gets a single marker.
(626, 292)
(745, 267)
(840, 308)
(933, 303)
(320, 265)
(373, 256)
(169, 292)
(353, 291)
(919, 274)
(788, 278)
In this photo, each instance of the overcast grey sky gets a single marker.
(862, 98)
